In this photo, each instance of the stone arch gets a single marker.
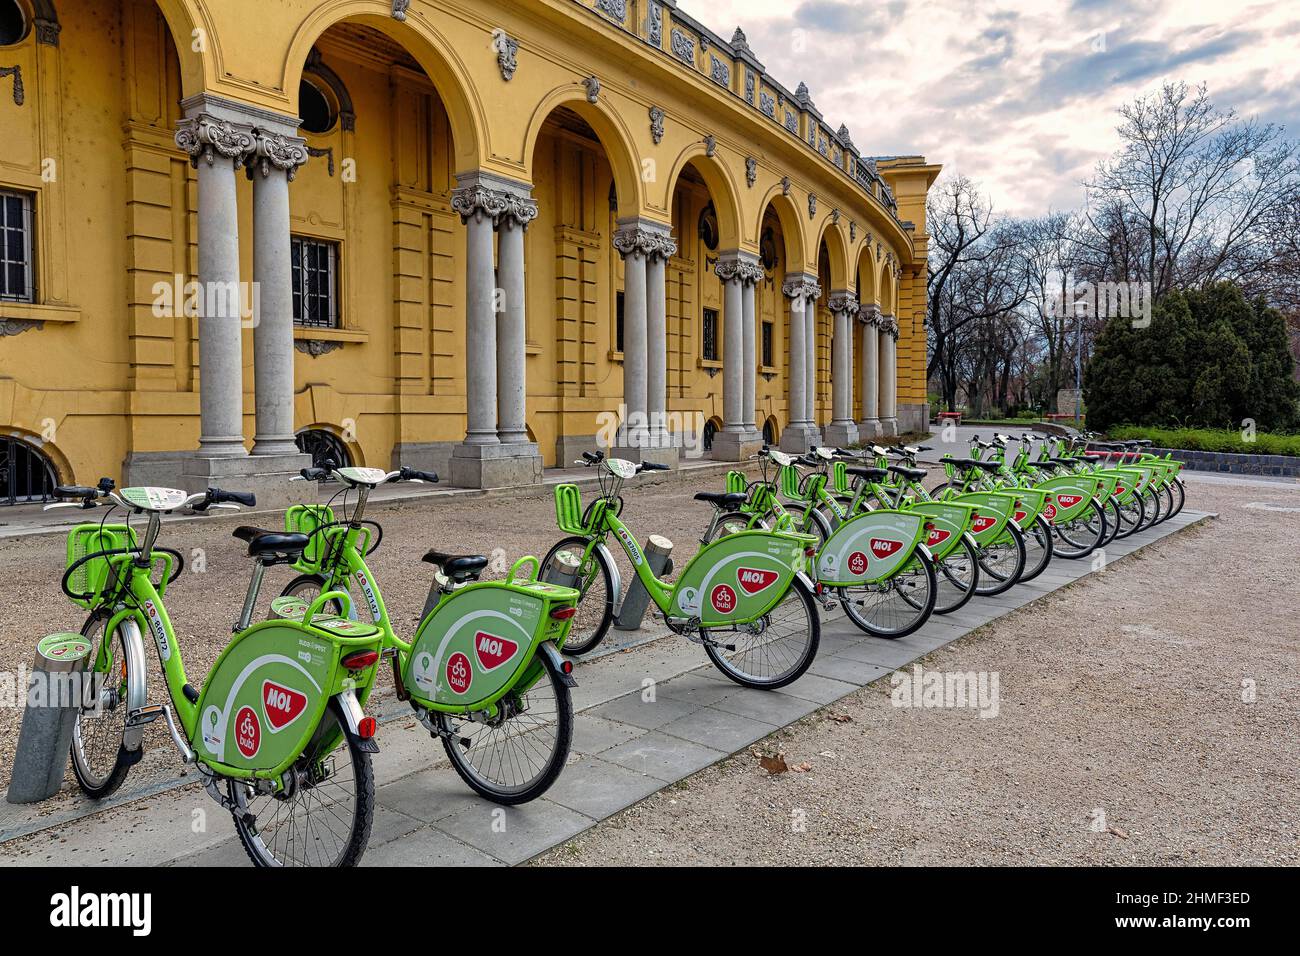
(436, 56)
(888, 290)
(614, 136)
(183, 18)
(791, 225)
(722, 189)
(867, 275)
(837, 252)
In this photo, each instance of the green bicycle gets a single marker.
(483, 672)
(745, 598)
(277, 731)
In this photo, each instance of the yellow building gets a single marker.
(478, 236)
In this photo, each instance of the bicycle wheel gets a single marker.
(1151, 505)
(99, 760)
(1167, 499)
(815, 524)
(1111, 507)
(727, 524)
(1180, 493)
(1039, 549)
(774, 650)
(1132, 515)
(308, 587)
(596, 606)
(898, 606)
(1002, 562)
(957, 576)
(1082, 535)
(516, 756)
(323, 815)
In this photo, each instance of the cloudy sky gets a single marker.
(1019, 96)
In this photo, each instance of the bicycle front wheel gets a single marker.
(323, 814)
(100, 761)
(596, 605)
(1002, 562)
(1039, 549)
(515, 756)
(1082, 535)
(774, 650)
(898, 606)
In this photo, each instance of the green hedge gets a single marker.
(1211, 439)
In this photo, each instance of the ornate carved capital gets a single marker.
(889, 325)
(802, 287)
(274, 151)
(518, 211)
(869, 313)
(843, 302)
(206, 137)
(477, 201)
(635, 239)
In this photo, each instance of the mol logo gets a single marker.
(723, 599)
(938, 536)
(282, 705)
(493, 651)
(884, 547)
(983, 522)
(753, 580)
(1020, 516)
(1068, 501)
(248, 732)
(459, 673)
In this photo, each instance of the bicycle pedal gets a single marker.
(144, 715)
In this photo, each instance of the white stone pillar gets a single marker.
(810, 344)
(889, 376)
(478, 208)
(633, 244)
(217, 147)
(272, 167)
(869, 426)
(657, 341)
(512, 325)
(749, 290)
(738, 439)
(842, 430)
(800, 434)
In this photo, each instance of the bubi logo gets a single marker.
(1049, 511)
(248, 732)
(884, 547)
(493, 651)
(723, 599)
(983, 522)
(282, 705)
(857, 563)
(1068, 501)
(753, 580)
(459, 675)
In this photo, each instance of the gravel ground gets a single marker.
(1126, 734)
(204, 605)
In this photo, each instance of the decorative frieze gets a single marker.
(750, 84)
(206, 137)
(655, 24)
(683, 46)
(719, 72)
(791, 122)
(767, 105)
(614, 9)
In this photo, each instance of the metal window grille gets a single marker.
(17, 275)
(709, 336)
(25, 474)
(767, 345)
(315, 283)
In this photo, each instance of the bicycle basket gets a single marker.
(790, 483)
(94, 576)
(568, 509)
(737, 483)
(839, 477)
(306, 519)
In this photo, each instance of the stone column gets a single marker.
(889, 376)
(482, 459)
(799, 434)
(749, 289)
(869, 426)
(512, 327)
(657, 347)
(272, 167)
(810, 354)
(737, 440)
(842, 430)
(217, 147)
(633, 244)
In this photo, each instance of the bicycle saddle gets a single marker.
(260, 541)
(915, 474)
(868, 474)
(728, 500)
(458, 567)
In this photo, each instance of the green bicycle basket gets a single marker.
(568, 509)
(790, 483)
(737, 483)
(839, 477)
(305, 519)
(93, 577)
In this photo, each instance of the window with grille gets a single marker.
(17, 277)
(767, 345)
(315, 283)
(709, 336)
(618, 322)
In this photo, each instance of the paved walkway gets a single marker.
(628, 744)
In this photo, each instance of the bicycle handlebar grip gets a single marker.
(75, 491)
(412, 474)
(217, 497)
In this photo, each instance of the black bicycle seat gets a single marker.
(868, 474)
(458, 567)
(261, 542)
(727, 500)
(913, 474)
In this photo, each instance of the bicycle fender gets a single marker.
(553, 655)
(348, 710)
(136, 681)
(615, 578)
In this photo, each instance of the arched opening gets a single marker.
(711, 429)
(15, 22)
(324, 446)
(771, 432)
(26, 474)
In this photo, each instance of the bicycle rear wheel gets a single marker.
(1002, 562)
(1082, 535)
(1132, 515)
(1039, 549)
(896, 607)
(956, 576)
(774, 650)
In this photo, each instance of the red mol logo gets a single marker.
(753, 580)
(884, 547)
(1020, 516)
(723, 599)
(493, 651)
(1119, 490)
(1068, 501)
(857, 563)
(983, 522)
(248, 732)
(938, 536)
(459, 674)
(282, 705)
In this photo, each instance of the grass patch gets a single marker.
(1211, 439)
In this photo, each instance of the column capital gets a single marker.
(273, 150)
(869, 313)
(842, 300)
(889, 325)
(644, 237)
(208, 137)
(739, 264)
(800, 285)
(481, 193)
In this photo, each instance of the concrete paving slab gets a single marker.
(719, 729)
(818, 689)
(598, 788)
(514, 834)
(429, 796)
(659, 755)
(769, 706)
(427, 847)
(842, 668)
(636, 710)
(592, 734)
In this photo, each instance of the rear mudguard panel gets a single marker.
(740, 577)
(870, 547)
(993, 511)
(1069, 497)
(950, 520)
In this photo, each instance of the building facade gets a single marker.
(479, 237)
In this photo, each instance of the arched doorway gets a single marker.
(323, 446)
(26, 475)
